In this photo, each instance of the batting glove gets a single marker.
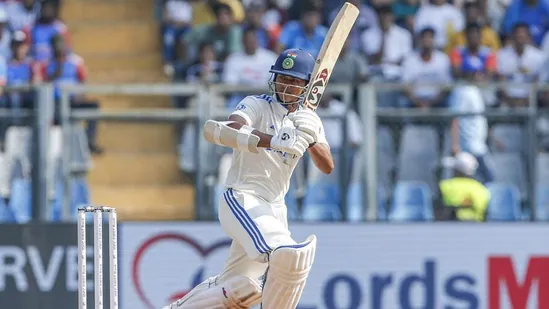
(292, 141)
(307, 121)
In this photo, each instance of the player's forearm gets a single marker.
(322, 158)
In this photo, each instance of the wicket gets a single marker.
(98, 256)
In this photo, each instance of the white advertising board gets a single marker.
(375, 266)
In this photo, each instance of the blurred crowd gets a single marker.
(411, 41)
(35, 48)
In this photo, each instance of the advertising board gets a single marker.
(377, 266)
(38, 266)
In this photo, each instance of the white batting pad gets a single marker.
(289, 267)
(239, 292)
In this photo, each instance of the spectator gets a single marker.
(533, 13)
(405, 12)
(21, 71)
(176, 19)
(204, 11)
(22, 14)
(274, 17)
(462, 197)
(296, 9)
(386, 46)
(250, 67)
(488, 36)
(426, 66)
(351, 67)
(47, 26)
(494, 11)
(254, 19)
(473, 58)
(5, 35)
(443, 17)
(307, 34)
(206, 69)
(367, 19)
(469, 133)
(66, 68)
(520, 63)
(224, 35)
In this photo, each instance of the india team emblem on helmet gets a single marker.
(288, 63)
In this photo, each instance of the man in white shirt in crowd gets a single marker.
(519, 62)
(22, 14)
(469, 133)
(443, 17)
(177, 17)
(386, 47)
(248, 67)
(422, 70)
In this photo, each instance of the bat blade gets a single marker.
(329, 52)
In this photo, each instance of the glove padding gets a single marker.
(307, 121)
(292, 141)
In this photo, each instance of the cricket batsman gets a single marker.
(269, 133)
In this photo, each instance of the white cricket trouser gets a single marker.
(256, 228)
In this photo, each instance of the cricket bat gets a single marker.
(329, 52)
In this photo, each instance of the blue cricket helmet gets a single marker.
(294, 62)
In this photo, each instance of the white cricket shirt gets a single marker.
(266, 174)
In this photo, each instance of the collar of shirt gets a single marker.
(278, 108)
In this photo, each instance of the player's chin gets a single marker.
(292, 107)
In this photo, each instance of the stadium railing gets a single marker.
(207, 107)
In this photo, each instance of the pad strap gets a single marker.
(243, 138)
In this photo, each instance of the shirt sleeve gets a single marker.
(81, 72)
(249, 109)
(3, 71)
(235, 40)
(455, 58)
(491, 63)
(231, 70)
(286, 35)
(362, 66)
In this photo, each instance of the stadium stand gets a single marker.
(514, 171)
(510, 138)
(419, 144)
(505, 202)
(322, 202)
(411, 202)
(138, 172)
(542, 202)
